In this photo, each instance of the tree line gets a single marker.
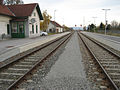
(13, 2)
(113, 26)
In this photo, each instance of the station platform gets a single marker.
(111, 41)
(12, 47)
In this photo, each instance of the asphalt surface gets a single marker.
(6, 45)
(115, 38)
(109, 37)
(12, 43)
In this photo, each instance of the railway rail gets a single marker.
(12, 74)
(108, 61)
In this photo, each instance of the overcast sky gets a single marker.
(71, 12)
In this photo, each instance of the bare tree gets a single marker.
(1, 2)
(114, 24)
(13, 2)
(19, 1)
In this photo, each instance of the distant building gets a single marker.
(20, 21)
(77, 28)
(54, 27)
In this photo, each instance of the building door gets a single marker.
(21, 30)
(8, 29)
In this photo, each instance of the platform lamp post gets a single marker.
(106, 18)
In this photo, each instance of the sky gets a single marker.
(80, 12)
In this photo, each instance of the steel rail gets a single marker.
(92, 53)
(39, 48)
(16, 83)
(102, 46)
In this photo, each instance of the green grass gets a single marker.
(54, 33)
(108, 33)
(114, 34)
(51, 33)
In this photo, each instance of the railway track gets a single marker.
(12, 74)
(108, 61)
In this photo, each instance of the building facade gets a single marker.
(4, 25)
(20, 21)
(54, 27)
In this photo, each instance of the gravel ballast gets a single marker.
(63, 71)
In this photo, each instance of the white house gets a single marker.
(19, 21)
(54, 27)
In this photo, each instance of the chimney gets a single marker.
(1, 2)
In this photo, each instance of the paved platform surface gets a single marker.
(9, 48)
(68, 72)
(112, 41)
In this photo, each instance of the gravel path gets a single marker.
(68, 72)
(65, 72)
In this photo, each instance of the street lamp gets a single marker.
(106, 18)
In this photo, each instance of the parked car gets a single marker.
(43, 33)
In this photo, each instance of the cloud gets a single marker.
(73, 11)
(111, 3)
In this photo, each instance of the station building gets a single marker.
(20, 21)
(54, 27)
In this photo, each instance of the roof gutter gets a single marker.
(6, 15)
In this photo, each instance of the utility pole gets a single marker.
(106, 18)
(54, 14)
(54, 21)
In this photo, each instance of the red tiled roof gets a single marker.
(56, 24)
(22, 10)
(5, 11)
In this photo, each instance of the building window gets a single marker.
(14, 27)
(32, 28)
(34, 14)
(8, 29)
(21, 27)
(36, 28)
